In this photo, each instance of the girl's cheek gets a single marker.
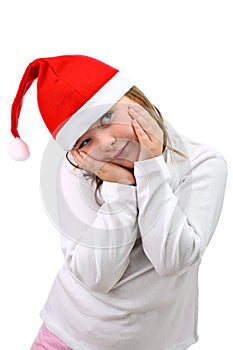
(127, 131)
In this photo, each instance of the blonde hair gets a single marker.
(138, 96)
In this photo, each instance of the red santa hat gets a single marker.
(73, 92)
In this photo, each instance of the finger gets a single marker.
(148, 123)
(77, 157)
(149, 148)
(80, 158)
(137, 110)
(147, 139)
(144, 118)
(141, 134)
(144, 135)
(90, 164)
(104, 170)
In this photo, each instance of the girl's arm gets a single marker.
(177, 215)
(176, 225)
(96, 241)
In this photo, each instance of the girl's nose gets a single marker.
(106, 141)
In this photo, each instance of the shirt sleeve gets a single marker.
(96, 240)
(177, 222)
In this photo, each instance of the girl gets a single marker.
(137, 207)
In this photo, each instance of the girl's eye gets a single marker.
(84, 143)
(105, 119)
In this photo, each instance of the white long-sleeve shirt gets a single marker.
(113, 294)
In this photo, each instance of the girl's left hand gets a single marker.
(149, 134)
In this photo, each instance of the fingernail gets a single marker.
(135, 105)
(132, 107)
(132, 110)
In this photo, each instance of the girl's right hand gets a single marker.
(106, 171)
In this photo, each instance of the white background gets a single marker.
(179, 53)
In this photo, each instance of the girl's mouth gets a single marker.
(119, 153)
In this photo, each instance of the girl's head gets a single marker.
(112, 137)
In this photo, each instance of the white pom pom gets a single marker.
(18, 149)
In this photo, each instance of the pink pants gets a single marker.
(48, 341)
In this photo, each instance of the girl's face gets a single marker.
(112, 137)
